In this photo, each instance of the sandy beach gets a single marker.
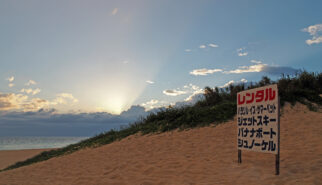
(8, 157)
(201, 156)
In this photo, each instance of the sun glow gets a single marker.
(115, 86)
(118, 96)
(114, 104)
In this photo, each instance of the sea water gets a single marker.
(19, 143)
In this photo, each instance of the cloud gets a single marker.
(62, 98)
(260, 67)
(256, 61)
(30, 91)
(316, 32)
(213, 45)
(11, 101)
(21, 102)
(174, 92)
(228, 83)
(195, 96)
(194, 92)
(11, 79)
(30, 82)
(278, 70)
(243, 80)
(204, 71)
(241, 52)
(48, 122)
(191, 86)
(115, 10)
(149, 82)
(248, 69)
(202, 46)
(35, 104)
(14, 101)
(134, 112)
(153, 104)
(316, 40)
(187, 50)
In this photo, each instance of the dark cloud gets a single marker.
(47, 122)
(278, 70)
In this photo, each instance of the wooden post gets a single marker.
(277, 164)
(277, 157)
(239, 156)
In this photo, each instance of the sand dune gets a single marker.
(8, 157)
(202, 156)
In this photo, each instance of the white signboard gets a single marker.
(258, 119)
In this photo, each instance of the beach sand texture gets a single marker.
(8, 157)
(201, 156)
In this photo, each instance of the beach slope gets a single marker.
(201, 156)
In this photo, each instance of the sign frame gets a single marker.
(277, 126)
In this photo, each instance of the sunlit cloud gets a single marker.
(202, 46)
(153, 104)
(204, 71)
(115, 10)
(11, 101)
(258, 66)
(192, 90)
(30, 82)
(173, 92)
(316, 32)
(187, 50)
(35, 104)
(243, 80)
(241, 52)
(30, 91)
(191, 86)
(248, 69)
(11, 79)
(149, 82)
(232, 82)
(256, 61)
(194, 94)
(213, 45)
(63, 98)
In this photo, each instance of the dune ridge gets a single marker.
(206, 155)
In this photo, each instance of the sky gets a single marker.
(78, 67)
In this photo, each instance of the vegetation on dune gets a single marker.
(219, 105)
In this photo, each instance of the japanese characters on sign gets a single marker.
(258, 119)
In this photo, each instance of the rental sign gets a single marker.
(258, 120)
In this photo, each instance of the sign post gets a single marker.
(258, 122)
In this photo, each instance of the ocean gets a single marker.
(19, 143)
